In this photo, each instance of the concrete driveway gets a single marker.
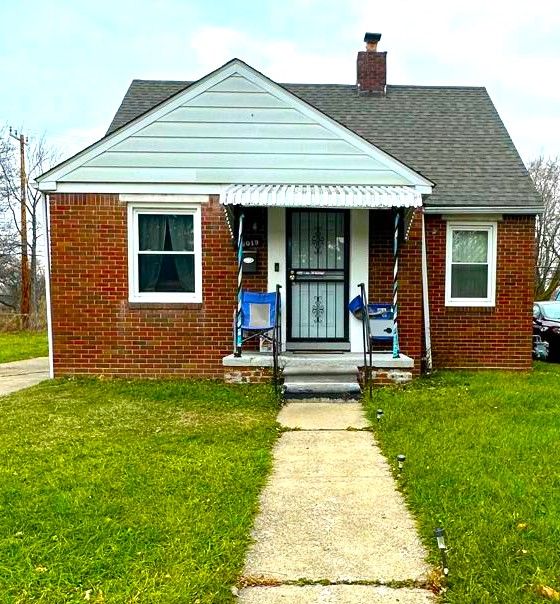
(23, 374)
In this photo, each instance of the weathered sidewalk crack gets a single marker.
(348, 429)
(263, 581)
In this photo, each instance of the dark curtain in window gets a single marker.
(469, 273)
(469, 281)
(152, 237)
(182, 239)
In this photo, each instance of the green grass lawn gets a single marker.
(482, 461)
(129, 491)
(18, 345)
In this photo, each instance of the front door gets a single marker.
(317, 292)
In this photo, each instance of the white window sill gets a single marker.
(471, 303)
(178, 299)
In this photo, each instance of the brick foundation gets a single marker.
(384, 376)
(253, 375)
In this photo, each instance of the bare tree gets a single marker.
(9, 268)
(546, 176)
(39, 157)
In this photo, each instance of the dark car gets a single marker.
(546, 324)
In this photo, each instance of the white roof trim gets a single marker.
(483, 210)
(140, 188)
(49, 178)
(322, 196)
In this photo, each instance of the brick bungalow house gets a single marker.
(142, 225)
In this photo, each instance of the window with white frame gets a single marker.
(470, 278)
(165, 255)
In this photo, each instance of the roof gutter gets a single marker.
(47, 215)
(49, 186)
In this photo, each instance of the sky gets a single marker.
(66, 64)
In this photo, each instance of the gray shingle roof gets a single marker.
(451, 135)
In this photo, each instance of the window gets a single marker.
(165, 256)
(470, 278)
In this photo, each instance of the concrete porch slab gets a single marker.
(318, 361)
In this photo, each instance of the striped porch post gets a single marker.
(396, 350)
(238, 332)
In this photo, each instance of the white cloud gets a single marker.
(72, 141)
(281, 60)
(510, 46)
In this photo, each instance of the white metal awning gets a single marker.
(322, 196)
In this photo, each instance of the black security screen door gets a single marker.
(317, 296)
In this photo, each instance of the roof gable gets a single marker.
(452, 135)
(234, 126)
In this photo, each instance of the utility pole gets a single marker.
(25, 281)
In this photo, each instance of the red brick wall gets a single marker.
(255, 228)
(410, 293)
(381, 256)
(410, 280)
(97, 331)
(485, 337)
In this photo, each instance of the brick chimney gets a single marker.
(372, 66)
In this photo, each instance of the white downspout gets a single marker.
(425, 298)
(48, 283)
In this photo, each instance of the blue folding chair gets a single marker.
(259, 316)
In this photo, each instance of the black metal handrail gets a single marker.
(366, 339)
(277, 343)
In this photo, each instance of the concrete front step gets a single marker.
(321, 369)
(312, 401)
(326, 378)
(322, 390)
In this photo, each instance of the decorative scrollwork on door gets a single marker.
(318, 309)
(318, 240)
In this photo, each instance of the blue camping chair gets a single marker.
(259, 316)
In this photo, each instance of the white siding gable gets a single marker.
(235, 126)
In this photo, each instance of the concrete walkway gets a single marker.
(331, 518)
(22, 374)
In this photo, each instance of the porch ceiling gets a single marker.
(322, 196)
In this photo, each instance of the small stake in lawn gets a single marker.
(440, 536)
(379, 415)
(401, 459)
